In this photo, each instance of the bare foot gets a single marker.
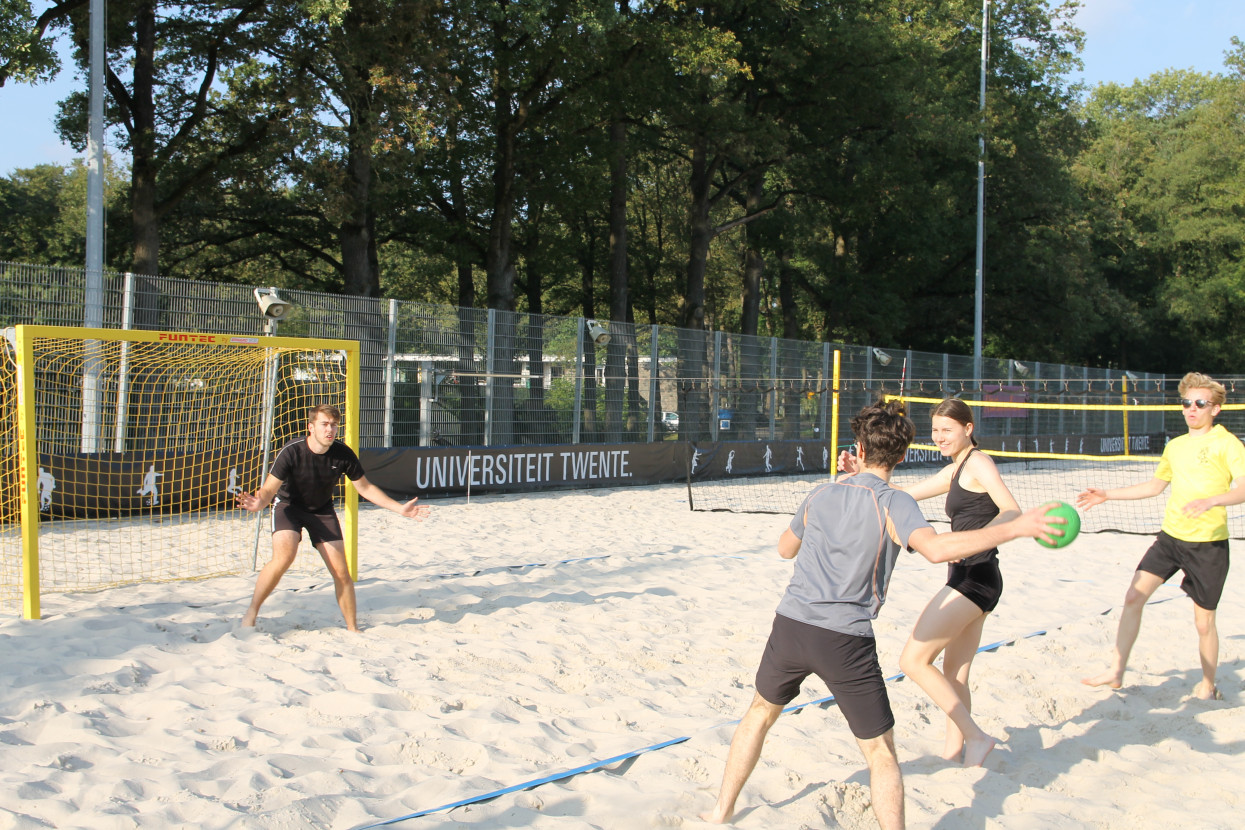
(1110, 678)
(952, 752)
(249, 620)
(975, 751)
(1207, 691)
(715, 817)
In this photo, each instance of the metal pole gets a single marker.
(427, 385)
(773, 392)
(654, 376)
(825, 399)
(579, 378)
(714, 382)
(93, 300)
(488, 380)
(390, 370)
(123, 370)
(271, 368)
(981, 196)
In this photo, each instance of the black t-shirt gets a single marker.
(308, 479)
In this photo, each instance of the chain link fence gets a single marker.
(435, 375)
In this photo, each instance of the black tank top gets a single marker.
(970, 511)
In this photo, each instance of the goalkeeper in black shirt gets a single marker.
(302, 481)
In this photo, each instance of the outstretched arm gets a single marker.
(261, 498)
(1096, 495)
(948, 547)
(377, 497)
(935, 485)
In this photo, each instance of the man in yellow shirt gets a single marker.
(1201, 468)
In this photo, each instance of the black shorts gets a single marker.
(320, 527)
(982, 582)
(1205, 566)
(847, 664)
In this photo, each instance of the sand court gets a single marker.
(511, 639)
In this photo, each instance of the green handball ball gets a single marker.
(1070, 530)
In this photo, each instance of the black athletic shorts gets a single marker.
(847, 664)
(981, 582)
(1205, 566)
(320, 527)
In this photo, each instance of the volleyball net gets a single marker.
(1045, 449)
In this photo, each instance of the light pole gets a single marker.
(981, 195)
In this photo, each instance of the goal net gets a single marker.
(1045, 450)
(123, 451)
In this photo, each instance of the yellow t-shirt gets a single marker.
(1199, 466)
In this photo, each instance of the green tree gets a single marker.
(44, 208)
(1166, 177)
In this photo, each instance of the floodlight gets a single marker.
(598, 332)
(271, 303)
(882, 357)
(1020, 368)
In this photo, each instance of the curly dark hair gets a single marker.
(884, 432)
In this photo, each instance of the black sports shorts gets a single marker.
(320, 527)
(1205, 566)
(847, 664)
(981, 582)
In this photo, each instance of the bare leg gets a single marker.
(334, 556)
(1208, 650)
(885, 780)
(957, 661)
(284, 549)
(745, 751)
(1144, 584)
(946, 616)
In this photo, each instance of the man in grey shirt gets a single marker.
(850, 533)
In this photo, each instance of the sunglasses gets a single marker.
(1185, 403)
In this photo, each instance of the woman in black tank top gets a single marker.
(952, 622)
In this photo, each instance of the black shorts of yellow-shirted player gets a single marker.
(302, 480)
(838, 587)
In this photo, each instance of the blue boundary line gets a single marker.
(823, 703)
(527, 785)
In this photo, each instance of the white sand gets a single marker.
(514, 638)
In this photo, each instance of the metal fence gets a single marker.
(436, 375)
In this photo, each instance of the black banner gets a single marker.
(725, 459)
(119, 484)
(86, 486)
(441, 471)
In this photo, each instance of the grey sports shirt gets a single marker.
(854, 531)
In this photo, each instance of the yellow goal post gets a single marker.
(121, 452)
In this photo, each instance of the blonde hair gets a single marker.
(1196, 380)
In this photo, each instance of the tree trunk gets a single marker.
(616, 353)
(752, 371)
(144, 218)
(694, 397)
(360, 266)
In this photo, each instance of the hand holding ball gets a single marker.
(1067, 512)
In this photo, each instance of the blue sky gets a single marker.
(1125, 40)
